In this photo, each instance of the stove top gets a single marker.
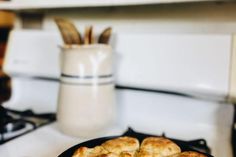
(17, 123)
(179, 117)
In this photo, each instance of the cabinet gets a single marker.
(6, 23)
(6, 18)
(45, 4)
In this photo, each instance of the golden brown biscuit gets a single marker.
(108, 155)
(188, 154)
(158, 147)
(128, 154)
(122, 144)
(90, 152)
(129, 147)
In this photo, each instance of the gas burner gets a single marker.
(13, 126)
(16, 123)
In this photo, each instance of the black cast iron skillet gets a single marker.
(195, 145)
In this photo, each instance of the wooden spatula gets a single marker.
(88, 36)
(68, 31)
(105, 36)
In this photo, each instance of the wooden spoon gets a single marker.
(88, 36)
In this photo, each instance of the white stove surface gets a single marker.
(177, 116)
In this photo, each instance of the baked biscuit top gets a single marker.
(130, 147)
(188, 154)
(90, 152)
(122, 144)
(158, 147)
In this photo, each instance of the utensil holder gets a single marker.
(86, 101)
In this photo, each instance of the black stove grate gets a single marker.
(234, 133)
(197, 145)
(14, 123)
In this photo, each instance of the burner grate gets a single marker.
(198, 144)
(17, 123)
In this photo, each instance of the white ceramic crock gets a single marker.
(86, 103)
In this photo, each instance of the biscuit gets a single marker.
(158, 147)
(189, 154)
(122, 144)
(90, 152)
